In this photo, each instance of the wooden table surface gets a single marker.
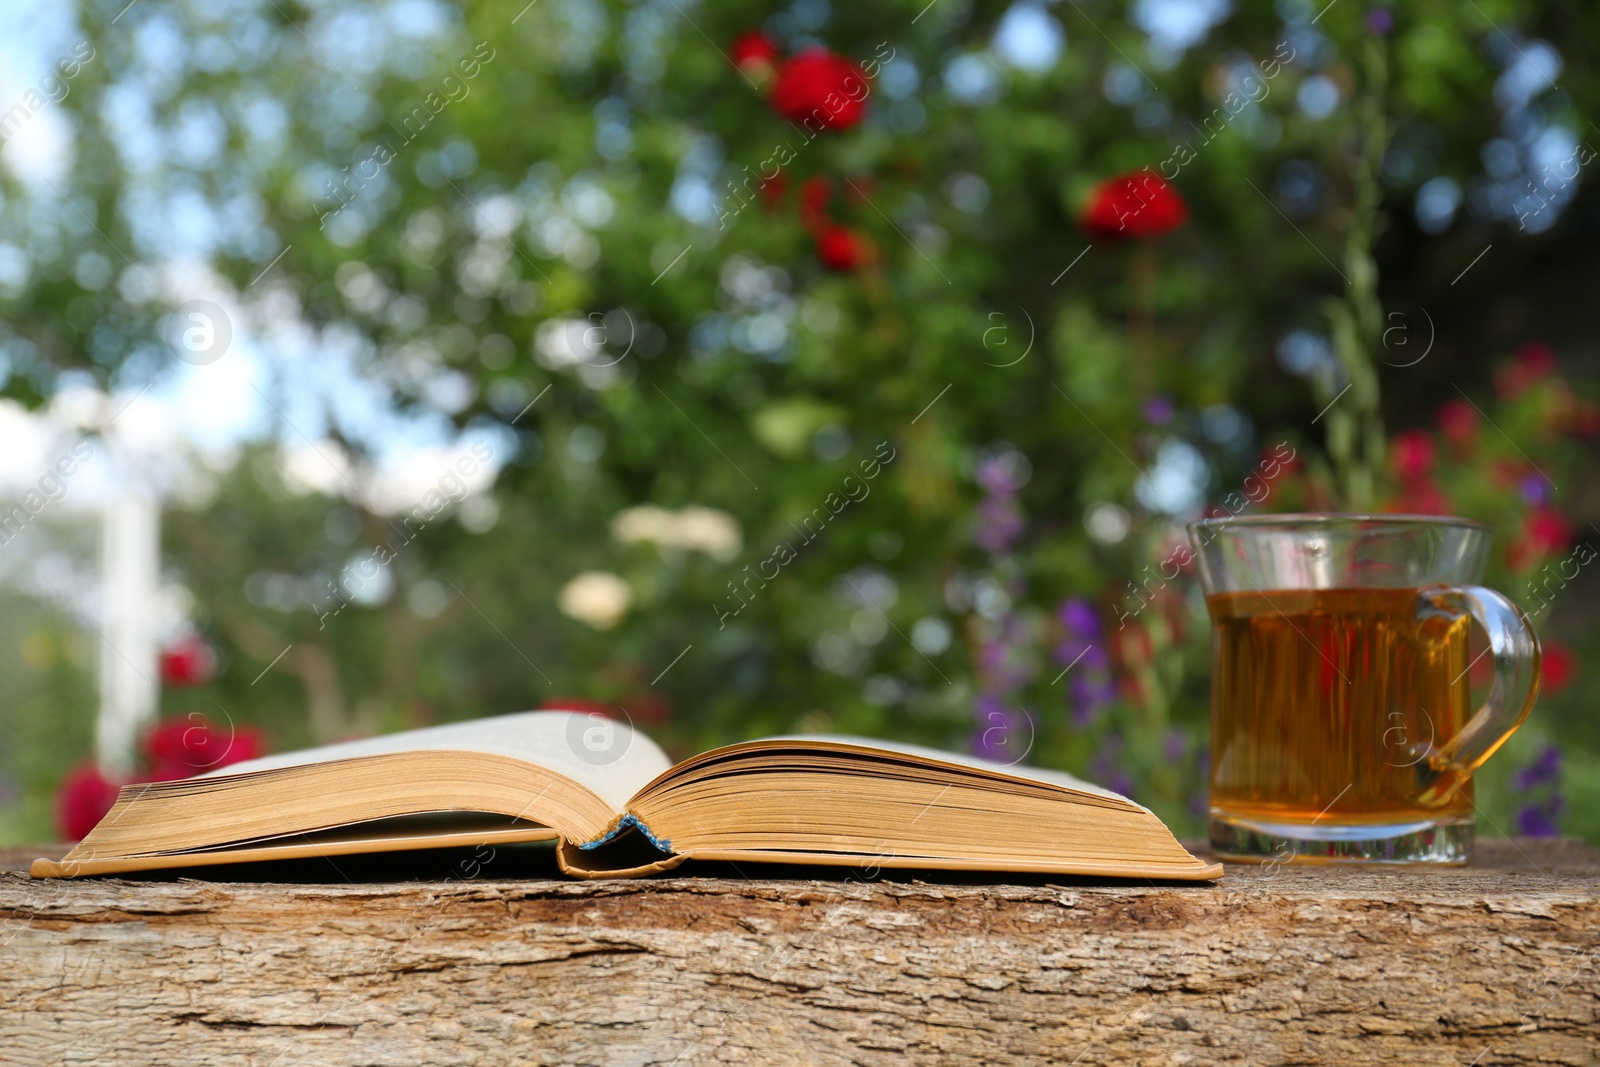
(449, 958)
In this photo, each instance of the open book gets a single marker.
(617, 807)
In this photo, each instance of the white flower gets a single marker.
(596, 598)
(643, 523)
(697, 529)
(708, 530)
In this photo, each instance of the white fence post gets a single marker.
(130, 571)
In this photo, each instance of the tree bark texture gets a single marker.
(491, 961)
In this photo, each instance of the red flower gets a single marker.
(1132, 647)
(188, 662)
(1586, 420)
(1531, 362)
(821, 90)
(1133, 205)
(1480, 672)
(1269, 456)
(859, 190)
(649, 708)
(1558, 410)
(773, 190)
(1411, 454)
(1458, 421)
(84, 797)
(815, 192)
(841, 249)
(1544, 531)
(1422, 496)
(754, 53)
(1558, 667)
(1549, 530)
(1535, 359)
(178, 748)
(586, 707)
(1507, 472)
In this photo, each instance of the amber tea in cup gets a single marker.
(1341, 718)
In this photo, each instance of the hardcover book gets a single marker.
(615, 806)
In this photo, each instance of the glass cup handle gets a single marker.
(1514, 650)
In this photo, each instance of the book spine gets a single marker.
(626, 822)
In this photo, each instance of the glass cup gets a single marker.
(1341, 725)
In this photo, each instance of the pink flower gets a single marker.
(82, 800)
(1549, 530)
(1411, 454)
(1458, 421)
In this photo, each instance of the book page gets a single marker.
(609, 758)
(1042, 775)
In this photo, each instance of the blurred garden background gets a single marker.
(747, 368)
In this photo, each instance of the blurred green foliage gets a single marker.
(729, 370)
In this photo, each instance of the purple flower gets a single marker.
(1380, 22)
(1104, 769)
(1535, 490)
(998, 475)
(999, 524)
(1079, 618)
(1540, 820)
(1091, 687)
(1003, 664)
(991, 657)
(1539, 816)
(1176, 745)
(1546, 770)
(999, 520)
(989, 707)
(1082, 625)
(1158, 410)
(1091, 696)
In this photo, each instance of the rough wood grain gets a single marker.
(1493, 964)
